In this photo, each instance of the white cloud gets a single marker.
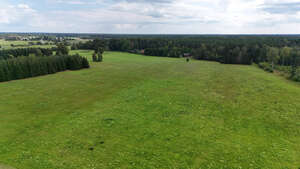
(72, 2)
(158, 16)
(14, 14)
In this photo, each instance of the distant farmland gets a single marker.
(21, 44)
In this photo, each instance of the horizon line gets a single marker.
(146, 33)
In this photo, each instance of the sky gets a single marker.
(151, 16)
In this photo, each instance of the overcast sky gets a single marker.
(151, 16)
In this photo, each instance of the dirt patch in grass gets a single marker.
(5, 167)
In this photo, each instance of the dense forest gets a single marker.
(225, 50)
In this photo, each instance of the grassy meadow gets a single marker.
(21, 44)
(135, 111)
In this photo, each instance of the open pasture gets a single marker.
(135, 111)
(21, 44)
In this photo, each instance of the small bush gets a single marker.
(266, 66)
(285, 69)
(296, 77)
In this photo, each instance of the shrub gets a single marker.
(285, 69)
(266, 66)
(296, 76)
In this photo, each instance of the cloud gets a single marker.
(282, 8)
(76, 2)
(155, 16)
(15, 13)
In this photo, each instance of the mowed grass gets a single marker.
(135, 111)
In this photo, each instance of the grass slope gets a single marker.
(135, 111)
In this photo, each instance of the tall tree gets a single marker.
(62, 49)
(95, 57)
(295, 54)
(38, 52)
(284, 53)
(272, 55)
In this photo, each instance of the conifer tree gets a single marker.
(62, 49)
(95, 57)
(85, 63)
(2, 73)
(23, 67)
(100, 57)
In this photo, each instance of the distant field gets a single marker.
(86, 53)
(79, 40)
(135, 111)
(7, 44)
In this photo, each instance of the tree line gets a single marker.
(228, 50)
(30, 62)
(13, 53)
(31, 66)
(273, 51)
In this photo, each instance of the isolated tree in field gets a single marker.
(100, 57)
(97, 56)
(272, 55)
(94, 57)
(99, 50)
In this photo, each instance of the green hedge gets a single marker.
(285, 69)
(296, 76)
(25, 67)
(266, 66)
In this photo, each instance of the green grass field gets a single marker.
(139, 112)
(7, 44)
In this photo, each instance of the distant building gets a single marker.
(187, 55)
(42, 42)
(12, 38)
(24, 39)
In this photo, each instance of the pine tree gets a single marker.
(23, 67)
(38, 53)
(85, 63)
(100, 57)
(95, 57)
(62, 49)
